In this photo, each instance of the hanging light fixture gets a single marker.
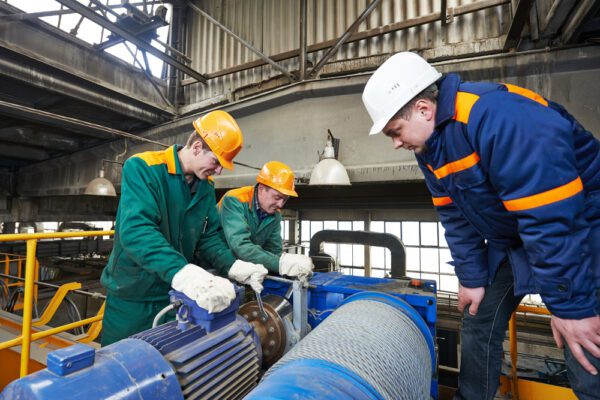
(100, 186)
(329, 171)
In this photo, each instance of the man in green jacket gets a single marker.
(166, 215)
(251, 222)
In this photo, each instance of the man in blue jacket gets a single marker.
(516, 182)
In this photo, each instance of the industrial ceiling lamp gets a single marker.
(101, 186)
(329, 171)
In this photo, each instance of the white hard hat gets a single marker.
(396, 82)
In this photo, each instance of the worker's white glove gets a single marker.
(248, 273)
(209, 291)
(295, 265)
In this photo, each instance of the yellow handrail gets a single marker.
(26, 337)
(530, 389)
(53, 305)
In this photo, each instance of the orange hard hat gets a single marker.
(278, 176)
(222, 134)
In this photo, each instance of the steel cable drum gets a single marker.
(374, 346)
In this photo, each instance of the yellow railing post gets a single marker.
(512, 337)
(31, 275)
(28, 305)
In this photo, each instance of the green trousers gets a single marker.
(123, 318)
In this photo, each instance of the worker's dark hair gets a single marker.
(193, 138)
(430, 93)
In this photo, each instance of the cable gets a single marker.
(76, 317)
(161, 313)
(246, 165)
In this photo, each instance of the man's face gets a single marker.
(205, 162)
(412, 134)
(270, 200)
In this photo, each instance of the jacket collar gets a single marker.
(445, 106)
(172, 158)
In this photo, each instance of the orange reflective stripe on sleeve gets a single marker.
(456, 166)
(463, 105)
(441, 201)
(526, 93)
(545, 198)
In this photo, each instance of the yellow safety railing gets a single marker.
(26, 335)
(19, 260)
(522, 388)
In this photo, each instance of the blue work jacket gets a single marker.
(514, 175)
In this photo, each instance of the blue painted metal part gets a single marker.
(128, 369)
(70, 359)
(298, 380)
(196, 315)
(333, 287)
(206, 362)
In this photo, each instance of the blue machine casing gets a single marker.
(196, 315)
(332, 288)
(70, 359)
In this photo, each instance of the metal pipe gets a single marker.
(27, 306)
(242, 41)
(345, 36)
(83, 292)
(284, 280)
(141, 44)
(302, 57)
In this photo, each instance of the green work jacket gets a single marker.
(159, 228)
(249, 238)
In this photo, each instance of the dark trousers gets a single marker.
(482, 336)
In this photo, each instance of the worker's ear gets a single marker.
(426, 108)
(197, 148)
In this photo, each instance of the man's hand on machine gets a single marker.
(248, 273)
(295, 265)
(210, 292)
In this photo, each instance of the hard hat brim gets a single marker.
(224, 162)
(379, 125)
(288, 192)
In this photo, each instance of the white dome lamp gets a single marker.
(329, 171)
(100, 186)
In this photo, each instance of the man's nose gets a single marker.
(397, 142)
(218, 170)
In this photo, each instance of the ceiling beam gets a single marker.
(520, 17)
(60, 121)
(141, 44)
(34, 137)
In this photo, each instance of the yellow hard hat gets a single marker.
(278, 176)
(222, 134)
